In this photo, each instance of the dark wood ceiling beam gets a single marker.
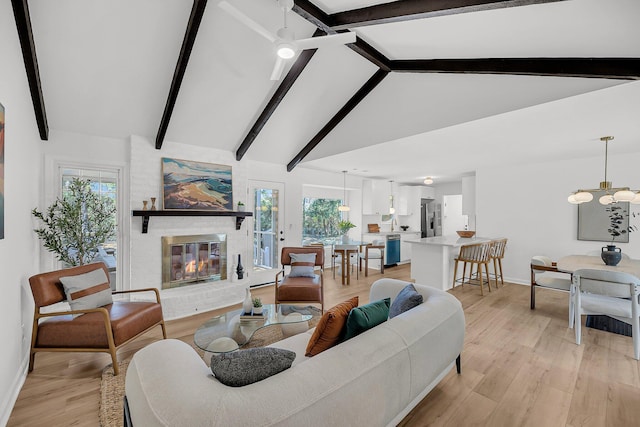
(197, 11)
(406, 10)
(609, 68)
(23, 25)
(286, 84)
(370, 53)
(313, 14)
(339, 116)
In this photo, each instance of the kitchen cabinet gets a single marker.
(408, 200)
(427, 192)
(375, 197)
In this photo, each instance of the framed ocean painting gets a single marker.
(196, 185)
(1, 171)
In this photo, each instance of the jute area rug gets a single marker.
(112, 387)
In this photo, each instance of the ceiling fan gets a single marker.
(284, 39)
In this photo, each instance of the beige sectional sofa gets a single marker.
(374, 379)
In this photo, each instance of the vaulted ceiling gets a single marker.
(108, 68)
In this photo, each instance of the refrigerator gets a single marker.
(427, 218)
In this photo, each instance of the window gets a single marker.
(320, 218)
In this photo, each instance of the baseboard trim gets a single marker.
(7, 405)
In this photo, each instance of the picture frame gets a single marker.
(189, 184)
(594, 221)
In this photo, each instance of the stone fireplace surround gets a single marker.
(145, 249)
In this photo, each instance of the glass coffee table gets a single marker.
(232, 330)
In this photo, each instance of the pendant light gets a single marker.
(343, 207)
(392, 210)
(621, 195)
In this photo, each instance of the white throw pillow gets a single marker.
(302, 265)
(88, 290)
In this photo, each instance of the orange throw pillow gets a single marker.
(330, 327)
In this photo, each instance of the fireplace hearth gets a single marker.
(188, 260)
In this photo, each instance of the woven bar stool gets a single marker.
(497, 253)
(477, 254)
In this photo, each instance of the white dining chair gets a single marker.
(611, 293)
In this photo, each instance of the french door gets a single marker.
(267, 203)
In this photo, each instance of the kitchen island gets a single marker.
(432, 259)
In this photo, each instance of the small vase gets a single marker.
(234, 277)
(345, 238)
(257, 310)
(611, 255)
(153, 203)
(247, 305)
(240, 208)
(240, 268)
(144, 205)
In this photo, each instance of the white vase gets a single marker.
(345, 238)
(247, 305)
(257, 310)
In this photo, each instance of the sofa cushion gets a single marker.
(366, 317)
(245, 367)
(88, 290)
(330, 328)
(406, 300)
(302, 265)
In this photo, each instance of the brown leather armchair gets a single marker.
(300, 289)
(101, 329)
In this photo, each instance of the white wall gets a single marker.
(19, 248)
(528, 205)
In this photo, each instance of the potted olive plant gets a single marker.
(74, 226)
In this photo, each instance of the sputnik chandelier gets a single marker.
(612, 195)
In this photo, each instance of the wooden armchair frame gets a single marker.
(300, 282)
(47, 290)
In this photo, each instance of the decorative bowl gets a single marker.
(404, 227)
(466, 233)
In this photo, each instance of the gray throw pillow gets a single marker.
(406, 300)
(302, 265)
(88, 290)
(244, 367)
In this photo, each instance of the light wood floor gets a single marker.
(520, 367)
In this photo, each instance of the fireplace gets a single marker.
(187, 260)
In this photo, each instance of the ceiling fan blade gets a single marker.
(278, 67)
(240, 16)
(333, 39)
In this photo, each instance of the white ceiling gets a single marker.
(106, 67)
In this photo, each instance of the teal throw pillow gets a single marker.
(406, 300)
(244, 367)
(366, 317)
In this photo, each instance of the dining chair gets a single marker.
(545, 274)
(477, 254)
(611, 293)
(369, 251)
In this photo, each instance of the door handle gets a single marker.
(282, 239)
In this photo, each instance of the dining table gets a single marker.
(346, 249)
(571, 263)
